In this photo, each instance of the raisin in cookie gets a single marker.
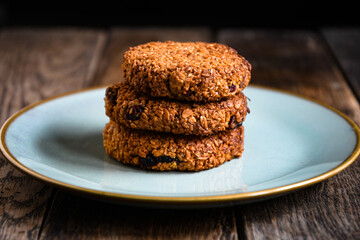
(126, 106)
(192, 71)
(165, 152)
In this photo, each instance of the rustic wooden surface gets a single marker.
(35, 65)
(344, 44)
(40, 63)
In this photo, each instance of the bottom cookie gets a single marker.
(165, 152)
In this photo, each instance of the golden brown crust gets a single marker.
(164, 152)
(124, 105)
(192, 71)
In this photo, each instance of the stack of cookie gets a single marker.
(179, 108)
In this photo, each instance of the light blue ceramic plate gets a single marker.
(290, 143)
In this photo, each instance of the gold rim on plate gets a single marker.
(199, 200)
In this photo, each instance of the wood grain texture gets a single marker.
(73, 217)
(299, 62)
(36, 64)
(346, 48)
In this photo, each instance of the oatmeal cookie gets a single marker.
(126, 106)
(164, 152)
(192, 71)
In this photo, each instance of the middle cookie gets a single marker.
(126, 106)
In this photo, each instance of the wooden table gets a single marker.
(40, 63)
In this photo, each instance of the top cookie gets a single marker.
(192, 71)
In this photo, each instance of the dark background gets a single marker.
(215, 14)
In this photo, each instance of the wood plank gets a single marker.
(73, 217)
(36, 64)
(345, 45)
(299, 62)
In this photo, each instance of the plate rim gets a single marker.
(184, 200)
